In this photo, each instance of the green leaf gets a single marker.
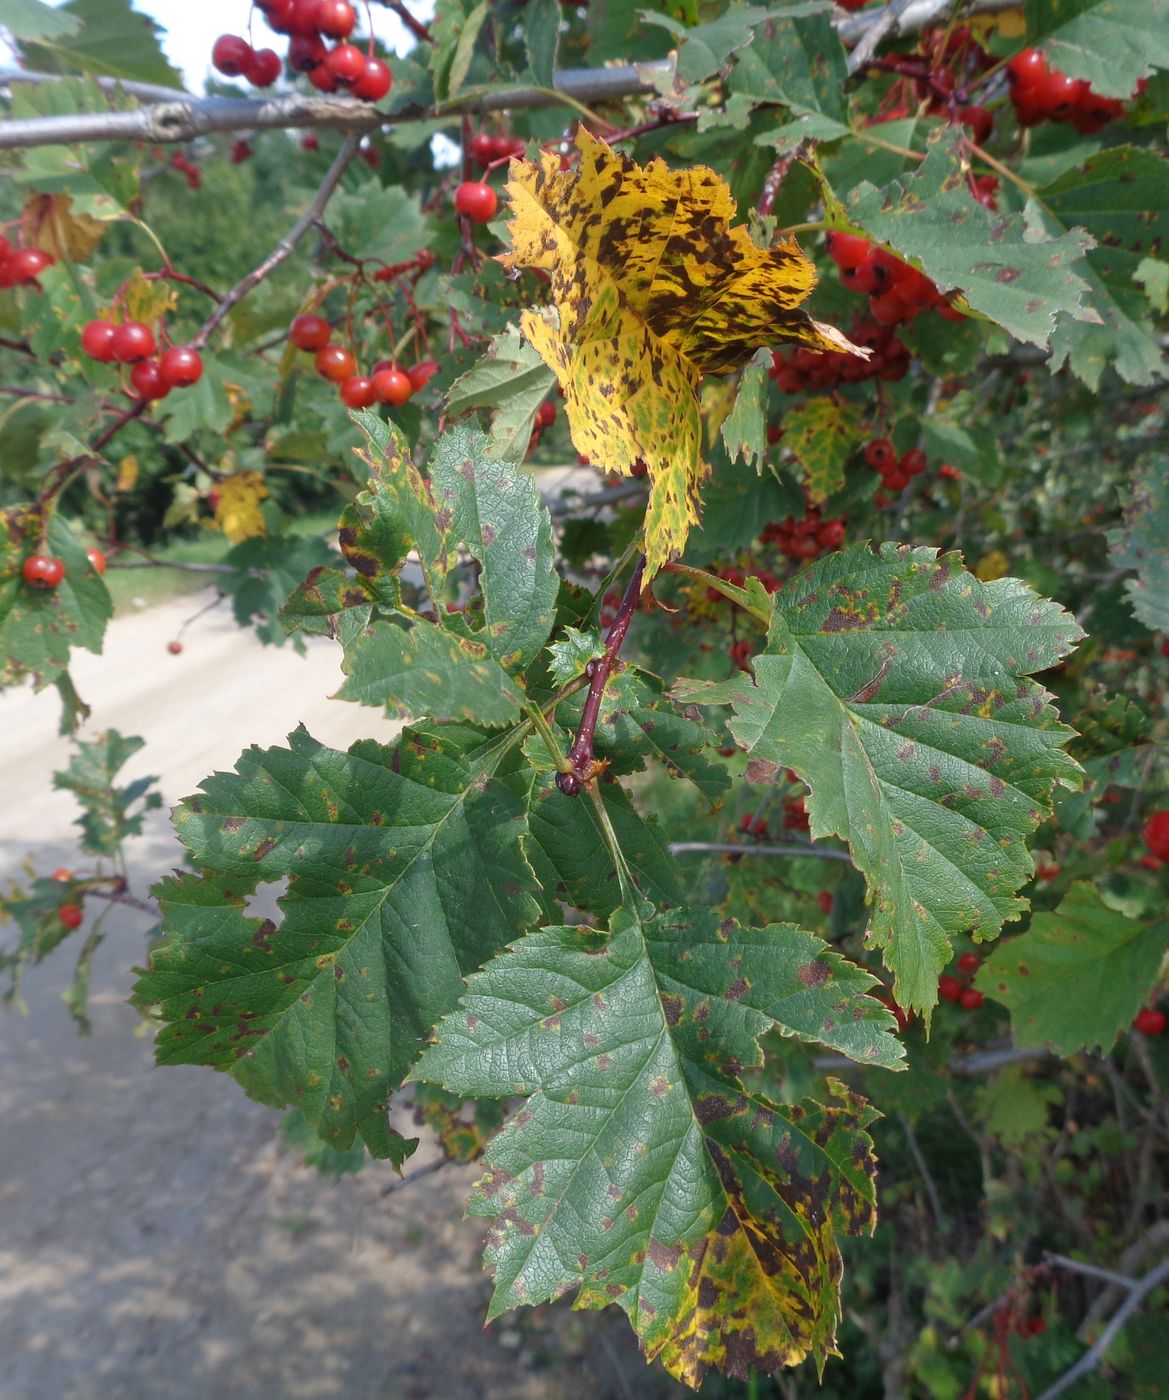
(496, 511)
(542, 39)
(404, 874)
(1077, 977)
(114, 40)
(1121, 197)
(822, 434)
(29, 19)
(639, 1171)
(896, 687)
(106, 820)
(39, 625)
(512, 379)
(1015, 1108)
(383, 222)
(205, 405)
(1111, 43)
(795, 59)
(427, 671)
(1021, 281)
(571, 653)
(316, 605)
(1142, 544)
(265, 569)
(744, 430)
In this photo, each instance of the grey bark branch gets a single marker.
(1141, 1288)
(172, 116)
(680, 848)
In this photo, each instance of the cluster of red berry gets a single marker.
(897, 292)
(386, 383)
(804, 539)
(310, 25)
(47, 571)
(958, 989)
(1041, 93)
(491, 148)
(895, 472)
(796, 370)
(132, 343)
(20, 267)
(1156, 834)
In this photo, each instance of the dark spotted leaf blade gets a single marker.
(896, 686)
(404, 873)
(1111, 43)
(640, 1172)
(1077, 977)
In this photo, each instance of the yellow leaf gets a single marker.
(237, 509)
(47, 222)
(127, 473)
(652, 286)
(146, 301)
(822, 434)
(991, 566)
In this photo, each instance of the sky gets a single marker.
(192, 26)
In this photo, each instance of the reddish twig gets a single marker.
(415, 26)
(285, 247)
(584, 766)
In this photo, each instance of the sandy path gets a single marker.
(155, 1239)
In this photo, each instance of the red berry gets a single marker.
(1157, 834)
(146, 377)
(824, 900)
(482, 148)
(830, 535)
(131, 342)
(231, 55)
(180, 367)
(174, 648)
(306, 52)
(346, 63)
(322, 79)
(545, 415)
(374, 80)
(913, 463)
(971, 999)
(62, 874)
(358, 392)
(476, 201)
(879, 454)
(949, 988)
(309, 142)
(310, 332)
(1026, 69)
(25, 265)
(1057, 93)
(335, 18)
(847, 249)
(336, 363)
(980, 122)
(42, 570)
(70, 915)
(97, 339)
(263, 68)
(392, 386)
(1047, 872)
(1150, 1021)
(422, 373)
(969, 962)
(303, 16)
(240, 151)
(96, 558)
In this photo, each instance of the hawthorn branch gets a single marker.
(1140, 1290)
(678, 848)
(285, 247)
(180, 117)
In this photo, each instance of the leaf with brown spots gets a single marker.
(997, 261)
(652, 286)
(640, 1171)
(1077, 977)
(404, 874)
(822, 434)
(896, 685)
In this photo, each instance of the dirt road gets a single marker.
(156, 1241)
